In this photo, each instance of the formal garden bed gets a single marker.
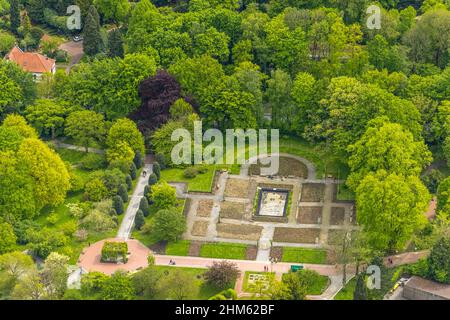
(312, 192)
(251, 253)
(194, 248)
(233, 210)
(296, 235)
(276, 253)
(237, 188)
(200, 228)
(204, 208)
(309, 215)
(239, 231)
(337, 217)
(288, 167)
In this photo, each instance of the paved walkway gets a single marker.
(75, 52)
(63, 145)
(128, 221)
(90, 258)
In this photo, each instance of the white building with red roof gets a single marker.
(32, 62)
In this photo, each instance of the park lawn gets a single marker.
(319, 286)
(69, 140)
(316, 288)
(72, 156)
(74, 247)
(222, 250)
(180, 248)
(205, 290)
(201, 183)
(346, 293)
(304, 255)
(389, 277)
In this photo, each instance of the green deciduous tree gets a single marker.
(85, 127)
(113, 10)
(427, 40)
(168, 225)
(108, 86)
(439, 260)
(178, 285)
(54, 275)
(390, 208)
(443, 195)
(387, 146)
(7, 237)
(47, 116)
(51, 180)
(125, 131)
(163, 196)
(118, 287)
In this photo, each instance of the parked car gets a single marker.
(77, 38)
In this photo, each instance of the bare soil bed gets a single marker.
(204, 208)
(194, 249)
(309, 215)
(313, 192)
(238, 231)
(276, 253)
(251, 253)
(337, 216)
(237, 188)
(288, 167)
(296, 235)
(200, 228)
(233, 210)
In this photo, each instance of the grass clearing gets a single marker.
(222, 250)
(201, 183)
(346, 293)
(180, 248)
(205, 290)
(304, 255)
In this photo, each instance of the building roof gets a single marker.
(437, 289)
(31, 61)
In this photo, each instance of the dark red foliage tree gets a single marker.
(222, 274)
(157, 94)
